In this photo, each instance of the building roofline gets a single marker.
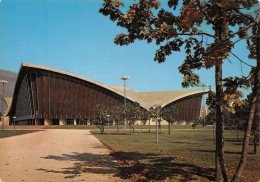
(134, 98)
(75, 76)
(194, 92)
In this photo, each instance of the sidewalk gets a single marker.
(56, 155)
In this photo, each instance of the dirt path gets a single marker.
(55, 155)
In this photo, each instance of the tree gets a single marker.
(101, 117)
(229, 21)
(133, 113)
(254, 111)
(117, 115)
(169, 114)
(156, 113)
(144, 116)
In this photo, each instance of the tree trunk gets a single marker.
(149, 126)
(160, 128)
(237, 134)
(243, 158)
(219, 155)
(254, 110)
(255, 143)
(169, 128)
(117, 123)
(102, 129)
(256, 122)
(214, 141)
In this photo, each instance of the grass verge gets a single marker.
(9, 133)
(184, 155)
(121, 127)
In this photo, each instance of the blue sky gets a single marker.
(71, 35)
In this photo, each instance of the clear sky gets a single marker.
(72, 35)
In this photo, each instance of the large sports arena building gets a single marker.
(48, 96)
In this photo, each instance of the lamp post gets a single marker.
(36, 116)
(157, 110)
(3, 82)
(125, 78)
(14, 122)
(108, 123)
(203, 85)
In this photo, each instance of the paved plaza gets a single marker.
(56, 155)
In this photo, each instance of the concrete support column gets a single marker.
(47, 122)
(75, 122)
(63, 122)
(6, 120)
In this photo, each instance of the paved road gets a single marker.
(55, 155)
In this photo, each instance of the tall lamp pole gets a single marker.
(203, 85)
(125, 78)
(157, 110)
(108, 123)
(3, 82)
(14, 122)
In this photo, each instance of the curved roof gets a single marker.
(163, 98)
(75, 76)
(145, 99)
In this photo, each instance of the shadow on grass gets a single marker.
(98, 133)
(159, 168)
(83, 163)
(213, 151)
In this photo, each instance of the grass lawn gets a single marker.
(185, 155)
(8, 133)
(121, 127)
(80, 127)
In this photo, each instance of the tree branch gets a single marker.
(248, 17)
(241, 60)
(245, 28)
(238, 41)
(202, 33)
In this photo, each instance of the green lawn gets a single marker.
(121, 127)
(80, 127)
(8, 133)
(185, 155)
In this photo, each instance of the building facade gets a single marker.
(47, 96)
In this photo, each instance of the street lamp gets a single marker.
(14, 122)
(3, 82)
(157, 107)
(108, 123)
(125, 78)
(36, 116)
(203, 85)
